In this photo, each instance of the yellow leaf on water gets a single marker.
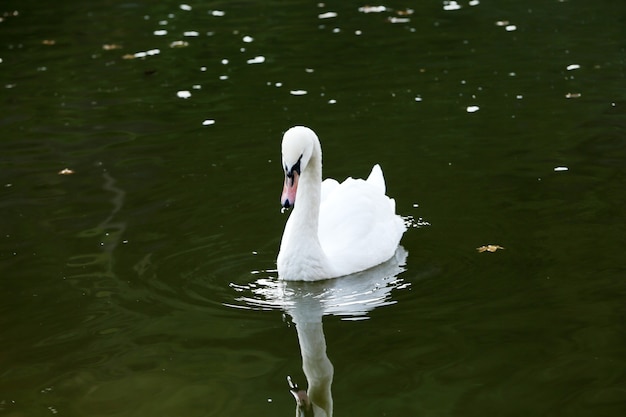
(489, 248)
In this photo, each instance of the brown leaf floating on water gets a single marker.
(489, 248)
(405, 12)
(66, 171)
(111, 46)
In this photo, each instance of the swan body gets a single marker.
(335, 229)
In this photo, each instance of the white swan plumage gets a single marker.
(334, 229)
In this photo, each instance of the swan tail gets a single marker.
(392, 205)
(377, 179)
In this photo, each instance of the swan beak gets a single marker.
(302, 399)
(288, 198)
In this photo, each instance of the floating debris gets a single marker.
(372, 9)
(451, 5)
(248, 39)
(142, 54)
(510, 28)
(327, 15)
(179, 44)
(489, 248)
(573, 67)
(398, 19)
(48, 42)
(66, 171)
(218, 13)
(573, 95)
(183, 94)
(298, 92)
(560, 169)
(185, 7)
(256, 60)
(208, 122)
(111, 46)
(472, 109)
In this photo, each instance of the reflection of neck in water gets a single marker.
(317, 400)
(351, 298)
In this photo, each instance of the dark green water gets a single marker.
(143, 284)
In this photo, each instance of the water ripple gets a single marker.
(351, 297)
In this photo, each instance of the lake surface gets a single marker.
(140, 179)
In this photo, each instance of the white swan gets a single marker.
(334, 229)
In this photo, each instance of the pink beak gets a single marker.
(288, 198)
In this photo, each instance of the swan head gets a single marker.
(297, 150)
(304, 406)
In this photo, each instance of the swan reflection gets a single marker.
(351, 297)
(317, 400)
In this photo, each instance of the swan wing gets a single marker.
(328, 186)
(358, 226)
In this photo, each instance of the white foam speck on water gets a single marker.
(256, 60)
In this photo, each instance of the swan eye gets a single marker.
(294, 168)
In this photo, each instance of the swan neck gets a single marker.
(316, 365)
(301, 255)
(307, 207)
